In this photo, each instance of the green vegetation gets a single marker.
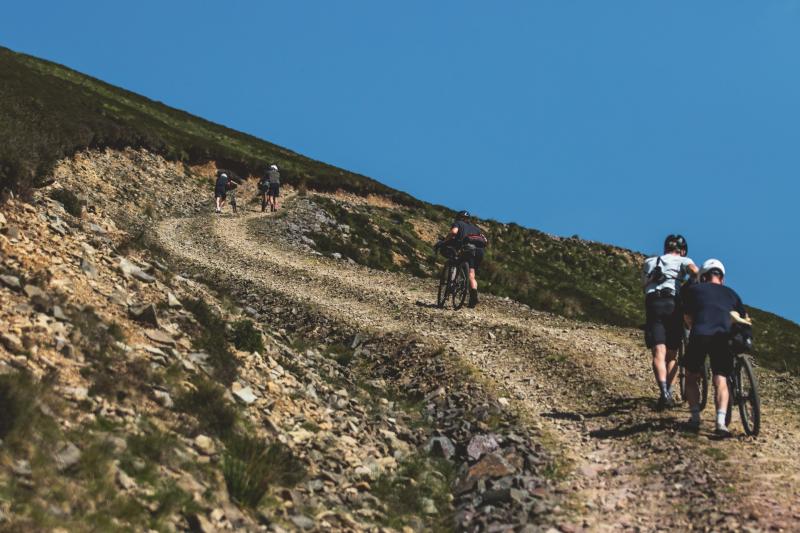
(206, 402)
(408, 493)
(251, 467)
(211, 339)
(48, 112)
(72, 204)
(246, 337)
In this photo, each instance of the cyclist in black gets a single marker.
(464, 232)
(707, 308)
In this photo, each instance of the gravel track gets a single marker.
(627, 467)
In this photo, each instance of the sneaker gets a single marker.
(722, 431)
(665, 401)
(693, 424)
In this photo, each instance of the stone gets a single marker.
(146, 314)
(141, 275)
(503, 401)
(12, 343)
(22, 468)
(481, 445)
(429, 506)
(441, 447)
(32, 291)
(67, 456)
(198, 523)
(125, 481)
(12, 282)
(172, 301)
(336, 255)
(302, 522)
(58, 314)
(205, 445)
(245, 394)
(129, 269)
(88, 267)
(159, 337)
(491, 466)
(163, 398)
(77, 394)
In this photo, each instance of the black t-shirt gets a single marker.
(464, 229)
(710, 305)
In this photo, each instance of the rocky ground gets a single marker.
(165, 368)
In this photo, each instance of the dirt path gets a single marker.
(629, 467)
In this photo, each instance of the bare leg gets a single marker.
(721, 392)
(659, 362)
(671, 366)
(692, 389)
(473, 283)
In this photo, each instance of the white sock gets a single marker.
(721, 417)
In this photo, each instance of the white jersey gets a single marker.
(674, 267)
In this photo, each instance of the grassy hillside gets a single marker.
(48, 111)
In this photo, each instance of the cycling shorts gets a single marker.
(475, 259)
(664, 322)
(274, 189)
(220, 192)
(714, 346)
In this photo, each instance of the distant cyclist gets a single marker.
(661, 278)
(263, 188)
(464, 232)
(708, 307)
(221, 190)
(274, 187)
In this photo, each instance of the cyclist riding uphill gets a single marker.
(661, 279)
(464, 232)
(707, 308)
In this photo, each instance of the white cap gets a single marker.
(273, 167)
(711, 264)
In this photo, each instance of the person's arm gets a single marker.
(452, 234)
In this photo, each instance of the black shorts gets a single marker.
(475, 259)
(664, 322)
(714, 346)
(274, 189)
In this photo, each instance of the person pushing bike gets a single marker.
(464, 232)
(707, 310)
(661, 279)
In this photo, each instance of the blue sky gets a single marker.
(617, 121)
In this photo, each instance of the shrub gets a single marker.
(18, 401)
(207, 403)
(211, 339)
(72, 204)
(246, 337)
(251, 466)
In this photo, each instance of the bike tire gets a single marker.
(444, 287)
(682, 371)
(705, 383)
(747, 396)
(460, 286)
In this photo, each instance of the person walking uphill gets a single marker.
(221, 190)
(708, 308)
(274, 187)
(661, 279)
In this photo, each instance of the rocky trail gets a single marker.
(585, 387)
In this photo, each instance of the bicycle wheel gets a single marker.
(705, 381)
(444, 286)
(681, 371)
(747, 395)
(460, 285)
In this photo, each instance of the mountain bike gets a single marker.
(705, 377)
(742, 384)
(454, 278)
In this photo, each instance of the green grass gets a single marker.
(206, 401)
(246, 337)
(48, 112)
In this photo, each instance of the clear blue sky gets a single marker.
(617, 121)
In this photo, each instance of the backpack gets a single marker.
(478, 240)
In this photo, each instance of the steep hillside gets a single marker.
(48, 111)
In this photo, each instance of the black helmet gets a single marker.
(676, 242)
(462, 215)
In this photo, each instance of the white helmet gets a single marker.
(273, 167)
(712, 264)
